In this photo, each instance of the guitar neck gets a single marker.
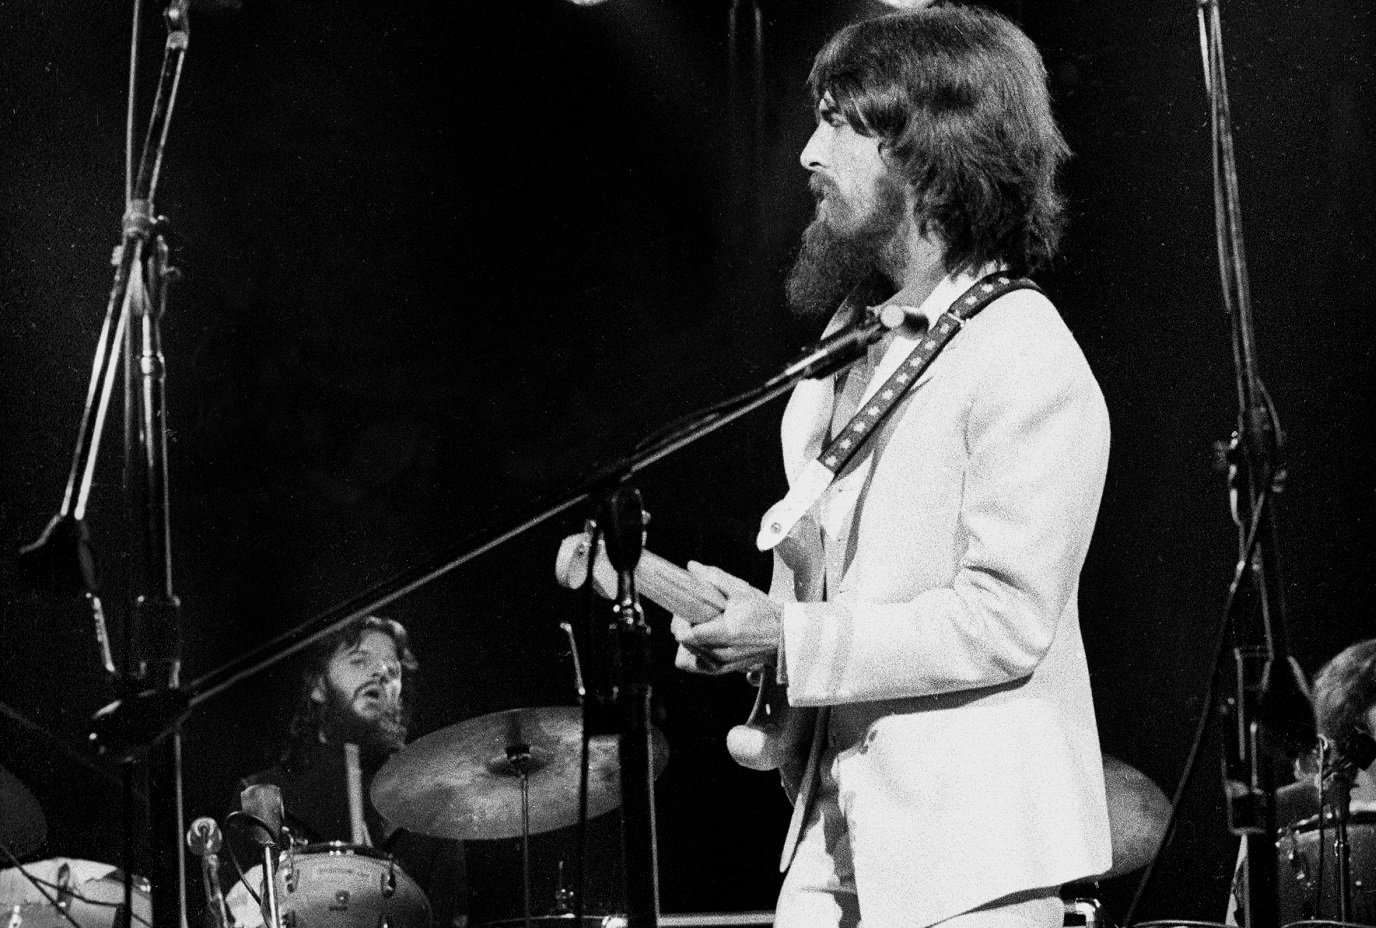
(669, 585)
(658, 580)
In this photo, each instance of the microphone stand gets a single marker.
(62, 557)
(1339, 764)
(1338, 786)
(624, 525)
(1269, 712)
(146, 716)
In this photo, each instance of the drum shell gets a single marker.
(1308, 887)
(337, 885)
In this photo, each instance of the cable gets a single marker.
(1207, 713)
(238, 820)
(73, 894)
(1191, 764)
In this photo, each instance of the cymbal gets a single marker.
(22, 826)
(460, 782)
(1137, 816)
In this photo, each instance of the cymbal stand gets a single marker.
(519, 759)
(1340, 762)
(1340, 787)
(1270, 712)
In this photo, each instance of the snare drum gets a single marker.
(1308, 869)
(335, 885)
(91, 893)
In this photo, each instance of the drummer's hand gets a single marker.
(744, 637)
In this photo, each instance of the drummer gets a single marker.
(1345, 704)
(1344, 695)
(351, 715)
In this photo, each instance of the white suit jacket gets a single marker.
(947, 654)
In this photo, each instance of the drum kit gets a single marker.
(516, 773)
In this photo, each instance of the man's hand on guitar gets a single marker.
(745, 636)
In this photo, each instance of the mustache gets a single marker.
(374, 684)
(821, 186)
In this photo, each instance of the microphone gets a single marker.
(830, 354)
(261, 805)
(623, 528)
(1356, 751)
(263, 802)
(204, 839)
(894, 316)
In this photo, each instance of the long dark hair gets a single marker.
(309, 717)
(1345, 691)
(958, 98)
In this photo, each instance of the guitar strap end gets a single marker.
(812, 482)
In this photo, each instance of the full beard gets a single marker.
(833, 261)
(377, 737)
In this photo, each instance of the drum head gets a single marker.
(336, 885)
(95, 891)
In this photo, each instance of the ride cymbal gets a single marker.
(462, 782)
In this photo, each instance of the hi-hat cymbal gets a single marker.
(22, 826)
(460, 782)
(1137, 816)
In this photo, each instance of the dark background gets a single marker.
(441, 258)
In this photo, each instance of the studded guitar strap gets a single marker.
(818, 474)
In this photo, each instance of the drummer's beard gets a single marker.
(844, 246)
(377, 736)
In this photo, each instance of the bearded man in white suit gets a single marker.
(924, 608)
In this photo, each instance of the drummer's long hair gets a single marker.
(1345, 691)
(309, 717)
(958, 98)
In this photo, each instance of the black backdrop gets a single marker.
(442, 257)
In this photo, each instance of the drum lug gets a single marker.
(64, 889)
(389, 884)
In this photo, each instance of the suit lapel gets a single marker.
(805, 424)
